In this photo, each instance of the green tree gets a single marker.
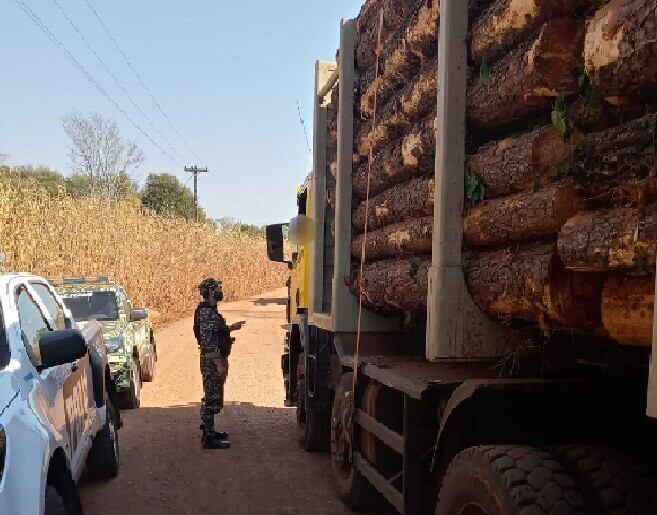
(166, 195)
(81, 185)
(53, 182)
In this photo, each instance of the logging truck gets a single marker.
(471, 324)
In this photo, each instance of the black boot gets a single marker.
(220, 434)
(212, 441)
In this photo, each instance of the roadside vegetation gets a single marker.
(98, 222)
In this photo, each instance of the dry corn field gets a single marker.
(159, 260)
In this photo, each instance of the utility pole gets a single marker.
(195, 170)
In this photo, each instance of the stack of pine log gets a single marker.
(560, 224)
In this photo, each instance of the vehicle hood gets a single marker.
(110, 329)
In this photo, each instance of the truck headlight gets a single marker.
(3, 450)
(114, 344)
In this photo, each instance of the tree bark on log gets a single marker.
(395, 285)
(412, 155)
(627, 309)
(395, 14)
(402, 57)
(411, 199)
(621, 50)
(529, 78)
(610, 239)
(529, 283)
(410, 238)
(605, 160)
(413, 103)
(521, 217)
(515, 164)
(508, 22)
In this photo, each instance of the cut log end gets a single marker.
(627, 309)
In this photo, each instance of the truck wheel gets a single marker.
(611, 482)
(103, 459)
(54, 502)
(508, 480)
(131, 398)
(354, 490)
(313, 428)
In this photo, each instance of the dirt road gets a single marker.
(164, 469)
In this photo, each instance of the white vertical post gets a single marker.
(345, 304)
(456, 328)
(323, 72)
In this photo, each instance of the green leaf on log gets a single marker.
(484, 73)
(474, 189)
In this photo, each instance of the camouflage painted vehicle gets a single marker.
(128, 332)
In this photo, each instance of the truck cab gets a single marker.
(297, 284)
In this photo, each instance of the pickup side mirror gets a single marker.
(136, 315)
(61, 347)
(275, 249)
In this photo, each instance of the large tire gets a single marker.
(103, 459)
(131, 398)
(508, 480)
(313, 428)
(354, 490)
(54, 504)
(611, 482)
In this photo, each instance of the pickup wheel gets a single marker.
(62, 499)
(148, 368)
(131, 398)
(103, 459)
(54, 502)
(508, 480)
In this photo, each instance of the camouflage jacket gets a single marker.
(211, 331)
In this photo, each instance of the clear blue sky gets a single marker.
(227, 72)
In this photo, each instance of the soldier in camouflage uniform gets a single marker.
(214, 340)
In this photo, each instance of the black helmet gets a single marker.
(207, 284)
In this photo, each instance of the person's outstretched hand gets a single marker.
(237, 326)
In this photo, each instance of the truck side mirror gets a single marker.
(61, 347)
(275, 249)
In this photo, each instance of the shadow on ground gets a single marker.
(165, 470)
(270, 301)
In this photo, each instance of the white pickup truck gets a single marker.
(57, 418)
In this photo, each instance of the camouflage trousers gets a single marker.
(214, 372)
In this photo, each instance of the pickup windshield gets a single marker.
(97, 305)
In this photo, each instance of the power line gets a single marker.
(303, 124)
(141, 81)
(37, 21)
(113, 76)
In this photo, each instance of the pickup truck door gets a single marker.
(62, 393)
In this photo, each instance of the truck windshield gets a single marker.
(97, 305)
(4, 344)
